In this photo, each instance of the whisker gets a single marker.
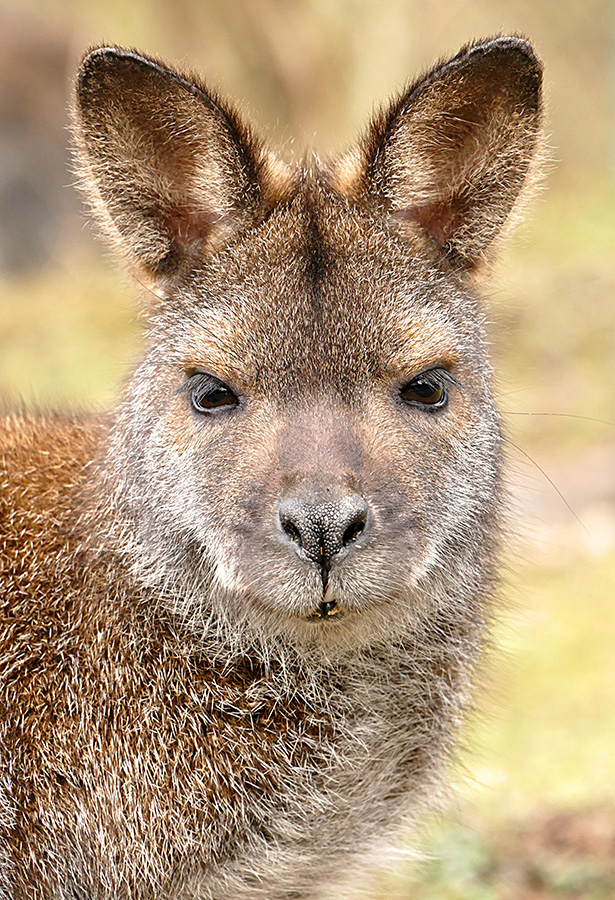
(560, 415)
(551, 482)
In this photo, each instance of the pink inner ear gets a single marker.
(438, 219)
(190, 229)
(189, 226)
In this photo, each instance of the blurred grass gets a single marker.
(551, 736)
(69, 336)
(555, 317)
(555, 728)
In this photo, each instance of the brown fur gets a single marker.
(235, 646)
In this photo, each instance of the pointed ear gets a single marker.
(450, 158)
(170, 171)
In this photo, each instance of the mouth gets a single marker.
(327, 608)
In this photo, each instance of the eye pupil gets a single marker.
(209, 394)
(424, 391)
(217, 397)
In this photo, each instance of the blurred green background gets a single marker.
(534, 814)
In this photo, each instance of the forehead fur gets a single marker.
(321, 293)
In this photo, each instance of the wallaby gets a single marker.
(241, 618)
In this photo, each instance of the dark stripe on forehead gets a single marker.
(318, 258)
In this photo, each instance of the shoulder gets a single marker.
(44, 463)
(46, 451)
(44, 435)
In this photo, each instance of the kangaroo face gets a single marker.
(317, 422)
(310, 442)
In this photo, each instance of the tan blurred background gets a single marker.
(535, 811)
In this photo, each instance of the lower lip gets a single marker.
(324, 617)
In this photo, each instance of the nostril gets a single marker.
(291, 529)
(353, 531)
(356, 524)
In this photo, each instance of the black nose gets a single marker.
(323, 529)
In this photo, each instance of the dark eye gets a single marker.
(208, 395)
(426, 390)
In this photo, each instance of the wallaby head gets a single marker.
(309, 447)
